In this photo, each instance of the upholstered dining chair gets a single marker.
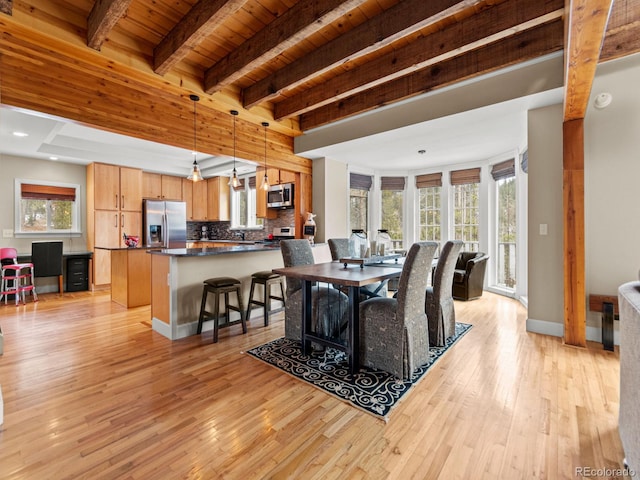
(330, 307)
(339, 248)
(394, 333)
(439, 301)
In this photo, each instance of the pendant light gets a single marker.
(234, 181)
(265, 179)
(196, 175)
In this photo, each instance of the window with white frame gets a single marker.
(46, 207)
(504, 175)
(360, 185)
(466, 207)
(392, 208)
(429, 188)
(243, 205)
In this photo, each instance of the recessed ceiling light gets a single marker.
(21, 134)
(53, 158)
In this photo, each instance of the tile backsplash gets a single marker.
(223, 231)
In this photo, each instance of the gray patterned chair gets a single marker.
(439, 302)
(339, 248)
(330, 307)
(394, 334)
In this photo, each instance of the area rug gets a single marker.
(373, 391)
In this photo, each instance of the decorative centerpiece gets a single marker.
(130, 241)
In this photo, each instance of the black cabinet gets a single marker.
(77, 277)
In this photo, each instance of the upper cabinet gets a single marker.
(207, 200)
(276, 176)
(261, 196)
(161, 187)
(187, 197)
(218, 193)
(116, 188)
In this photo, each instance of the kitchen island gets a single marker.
(177, 276)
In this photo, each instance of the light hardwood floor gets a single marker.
(90, 391)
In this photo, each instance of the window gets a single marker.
(429, 191)
(466, 211)
(243, 205)
(359, 201)
(504, 175)
(392, 208)
(46, 207)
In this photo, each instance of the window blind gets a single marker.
(429, 180)
(461, 177)
(504, 170)
(392, 183)
(47, 192)
(360, 182)
(252, 183)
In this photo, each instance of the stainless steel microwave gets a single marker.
(280, 196)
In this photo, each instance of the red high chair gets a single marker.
(17, 278)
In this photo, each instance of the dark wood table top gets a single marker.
(334, 272)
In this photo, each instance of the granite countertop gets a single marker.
(199, 252)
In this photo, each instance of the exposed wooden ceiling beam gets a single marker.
(518, 48)
(303, 19)
(6, 6)
(489, 26)
(586, 26)
(102, 18)
(623, 30)
(399, 21)
(196, 26)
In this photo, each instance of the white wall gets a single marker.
(39, 170)
(612, 178)
(330, 199)
(545, 252)
(612, 224)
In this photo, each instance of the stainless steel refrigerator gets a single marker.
(164, 223)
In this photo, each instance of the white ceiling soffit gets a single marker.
(470, 121)
(74, 143)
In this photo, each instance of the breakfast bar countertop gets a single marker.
(206, 251)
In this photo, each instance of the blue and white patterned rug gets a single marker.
(374, 391)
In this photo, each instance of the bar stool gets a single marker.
(266, 278)
(221, 286)
(17, 278)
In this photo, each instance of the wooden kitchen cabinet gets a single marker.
(199, 200)
(114, 207)
(209, 200)
(161, 187)
(171, 187)
(151, 185)
(261, 198)
(115, 188)
(187, 197)
(287, 177)
(218, 192)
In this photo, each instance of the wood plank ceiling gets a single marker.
(308, 63)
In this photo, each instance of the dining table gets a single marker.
(336, 273)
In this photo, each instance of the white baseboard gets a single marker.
(555, 329)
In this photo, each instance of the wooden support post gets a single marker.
(574, 257)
